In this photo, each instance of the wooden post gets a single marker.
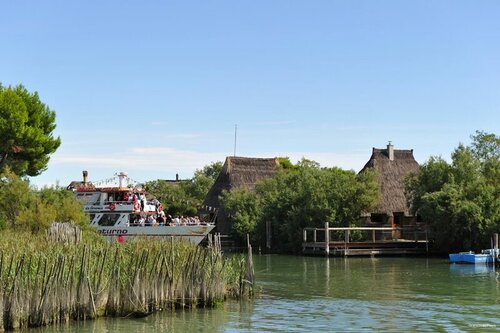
(346, 240)
(391, 221)
(314, 235)
(327, 240)
(268, 234)
(426, 242)
(305, 235)
(495, 255)
(373, 236)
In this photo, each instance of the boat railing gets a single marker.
(168, 225)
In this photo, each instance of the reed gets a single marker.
(52, 279)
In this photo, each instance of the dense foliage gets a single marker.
(460, 200)
(304, 195)
(184, 197)
(26, 208)
(26, 131)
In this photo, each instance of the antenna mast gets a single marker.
(235, 133)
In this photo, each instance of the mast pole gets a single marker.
(235, 135)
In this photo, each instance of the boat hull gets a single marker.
(192, 233)
(471, 258)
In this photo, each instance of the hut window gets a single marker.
(398, 217)
(378, 218)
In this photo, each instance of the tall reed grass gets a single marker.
(46, 280)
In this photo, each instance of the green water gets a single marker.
(304, 294)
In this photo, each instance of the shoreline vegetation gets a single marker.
(45, 282)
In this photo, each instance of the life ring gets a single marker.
(137, 205)
(112, 206)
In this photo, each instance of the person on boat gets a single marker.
(156, 203)
(142, 198)
(125, 196)
(135, 221)
(176, 220)
(141, 221)
(161, 219)
(150, 221)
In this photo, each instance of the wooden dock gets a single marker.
(365, 241)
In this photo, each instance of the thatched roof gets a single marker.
(240, 172)
(391, 174)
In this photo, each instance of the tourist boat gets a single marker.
(117, 217)
(483, 258)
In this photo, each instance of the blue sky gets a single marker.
(155, 88)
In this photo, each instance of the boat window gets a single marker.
(87, 198)
(108, 220)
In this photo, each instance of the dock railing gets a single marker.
(352, 240)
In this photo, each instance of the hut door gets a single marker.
(398, 222)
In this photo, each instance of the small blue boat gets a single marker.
(484, 258)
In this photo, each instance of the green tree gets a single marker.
(485, 146)
(15, 196)
(311, 197)
(211, 170)
(67, 208)
(26, 131)
(173, 196)
(184, 197)
(197, 189)
(24, 207)
(37, 216)
(461, 200)
(243, 207)
(298, 197)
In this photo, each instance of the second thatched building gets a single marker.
(392, 167)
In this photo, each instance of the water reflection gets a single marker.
(470, 269)
(307, 294)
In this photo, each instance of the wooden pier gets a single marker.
(365, 241)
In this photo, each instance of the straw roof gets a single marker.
(240, 172)
(237, 172)
(391, 175)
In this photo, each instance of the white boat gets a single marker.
(118, 213)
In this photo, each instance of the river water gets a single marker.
(312, 294)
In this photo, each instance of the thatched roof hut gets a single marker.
(392, 166)
(237, 172)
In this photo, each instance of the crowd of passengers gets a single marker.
(162, 219)
(138, 199)
(159, 218)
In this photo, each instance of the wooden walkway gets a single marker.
(364, 241)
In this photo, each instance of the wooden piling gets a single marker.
(327, 240)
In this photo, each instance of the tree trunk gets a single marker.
(4, 157)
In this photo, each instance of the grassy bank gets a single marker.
(44, 282)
